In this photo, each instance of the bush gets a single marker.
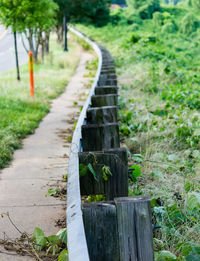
(158, 18)
(135, 27)
(147, 11)
(190, 24)
(169, 27)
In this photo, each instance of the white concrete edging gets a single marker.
(77, 245)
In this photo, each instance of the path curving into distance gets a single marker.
(40, 164)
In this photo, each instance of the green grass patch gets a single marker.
(20, 114)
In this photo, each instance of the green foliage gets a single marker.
(169, 28)
(136, 172)
(146, 11)
(52, 244)
(165, 256)
(52, 192)
(136, 3)
(193, 201)
(190, 24)
(39, 239)
(29, 17)
(92, 11)
(82, 170)
(62, 235)
(106, 172)
(95, 198)
(91, 169)
(63, 256)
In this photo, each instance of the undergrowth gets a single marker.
(158, 65)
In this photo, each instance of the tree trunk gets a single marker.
(16, 56)
(47, 37)
(60, 33)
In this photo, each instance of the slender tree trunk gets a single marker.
(65, 27)
(47, 37)
(60, 32)
(16, 56)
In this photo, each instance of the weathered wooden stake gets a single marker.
(99, 137)
(100, 221)
(103, 90)
(116, 184)
(104, 100)
(135, 229)
(108, 82)
(102, 115)
(131, 239)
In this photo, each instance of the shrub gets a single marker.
(190, 24)
(147, 11)
(169, 27)
(135, 27)
(158, 18)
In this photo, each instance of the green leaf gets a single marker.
(82, 170)
(63, 256)
(136, 172)
(106, 172)
(92, 171)
(62, 235)
(39, 239)
(165, 256)
(137, 158)
(193, 201)
(51, 192)
(53, 240)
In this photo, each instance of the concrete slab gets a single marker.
(41, 162)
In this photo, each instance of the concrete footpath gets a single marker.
(40, 165)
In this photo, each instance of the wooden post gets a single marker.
(117, 184)
(102, 115)
(104, 100)
(100, 221)
(108, 76)
(103, 90)
(99, 137)
(135, 229)
(130, 240)
(107, 82)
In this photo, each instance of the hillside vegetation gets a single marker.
(156, 52)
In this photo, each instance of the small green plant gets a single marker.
(106, 172)
(136, 172)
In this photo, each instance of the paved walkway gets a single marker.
(40, 164)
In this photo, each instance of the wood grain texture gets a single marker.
(104, 100)
(135, 229)
(117, 184)
(102, 115)
(99, 137)
(103, 90)
(100, 222)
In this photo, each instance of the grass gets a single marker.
(19, 113)
(158, 74)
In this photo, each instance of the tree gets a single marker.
(89, 11)
(33, 18)
(136, 3)
(60, 13)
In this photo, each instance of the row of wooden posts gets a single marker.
(120, 228)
